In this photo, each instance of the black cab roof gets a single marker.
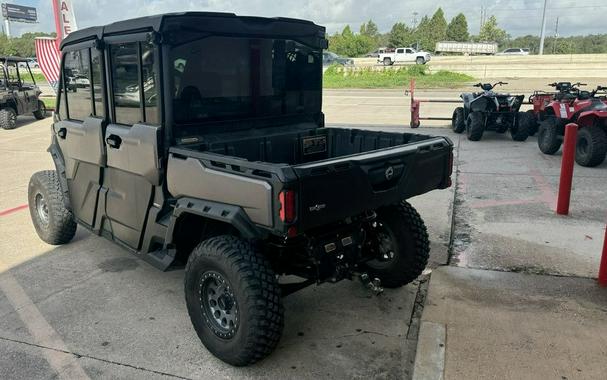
(210, 22)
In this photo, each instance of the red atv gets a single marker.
(540, 100)
(588, 109)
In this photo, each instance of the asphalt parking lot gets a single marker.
(90, 309)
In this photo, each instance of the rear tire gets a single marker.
(458, 123)
(591, 146)
(405, 253)
(548, 136)
(234, 300)
(54, 223)
(8, 118)
(387, 62)
(535, 125)
(523, 122)
(475, 126)
(41, 112)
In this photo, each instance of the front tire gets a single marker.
(234, 300)
(591, 146)
(420, 61)
(54, 223)
(400, 241)
(458, 122)
(548, 136)
(475, 126)
(8, 118)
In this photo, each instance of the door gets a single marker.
(14, 86)
(79, 130)
(400, 55)
(132, 139)
(410, 55)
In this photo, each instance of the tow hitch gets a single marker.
(372, 284)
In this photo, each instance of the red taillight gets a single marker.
(287, 206)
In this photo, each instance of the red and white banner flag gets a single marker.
(48, 59)
(47, 49)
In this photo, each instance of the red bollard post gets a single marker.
(414, 123)
(603, 265)
(564, 197)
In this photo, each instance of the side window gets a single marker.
(97, 83)
(76, 79)
(409, 51)
(134, 83)
(400, 51)
(150, 97)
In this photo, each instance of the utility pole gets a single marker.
(543, 33)
(415, 20)
(556, 36)
(482, 16)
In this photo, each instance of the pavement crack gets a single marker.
(79, 356)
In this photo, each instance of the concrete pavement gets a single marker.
(501, 325)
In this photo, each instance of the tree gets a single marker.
(349, 44)
(369, 29)
(438, 28)
(490, 32)
(400, 35)
(457, 30)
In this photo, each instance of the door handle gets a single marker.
(113, 141)
(62, 133)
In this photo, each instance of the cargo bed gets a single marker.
(336, 172)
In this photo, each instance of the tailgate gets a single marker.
(334, 189)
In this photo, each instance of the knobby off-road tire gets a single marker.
(406, 249)
(535, 125)
(522, 124)
(458, 122)
(54, 223)
(40, 113)
(548, 139)
(234, 300)
(591, 146)
(475, 126)
(8, 118)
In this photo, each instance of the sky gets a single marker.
(518, 17)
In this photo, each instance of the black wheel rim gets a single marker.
(382, 245)
(42, 209)
(218, 304)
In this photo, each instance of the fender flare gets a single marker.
(221, 212)
(59, 161)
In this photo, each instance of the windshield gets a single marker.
(226, 78)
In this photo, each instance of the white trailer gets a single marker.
(468, 48)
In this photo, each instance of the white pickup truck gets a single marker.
(401, 55)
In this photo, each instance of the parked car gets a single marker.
(329, 58)
(403, 55)
(231, 174)
(33, 64)
(514, 51)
